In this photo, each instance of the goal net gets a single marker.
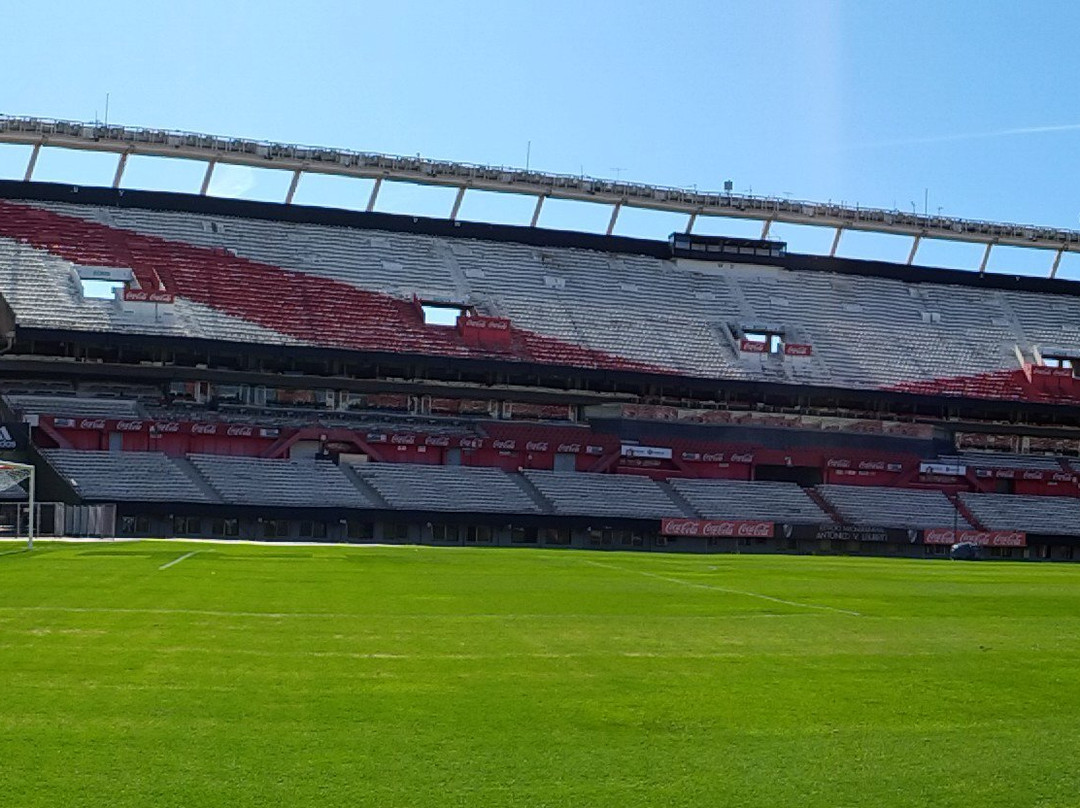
(12, 475)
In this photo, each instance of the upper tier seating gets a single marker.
(892, 507)
(295, 283)
(446, 488)
(999, 460)
(1052, 515)
(734, 499)
(579, 494)
(128, 476)
(296, 483)
(73, 406)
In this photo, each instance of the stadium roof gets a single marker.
(299, 160)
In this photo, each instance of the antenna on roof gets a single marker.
(528, 154)
(106, 109)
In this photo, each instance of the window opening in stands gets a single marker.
(774, 341)
(443, 313)
(1061, 362)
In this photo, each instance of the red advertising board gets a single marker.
(984, 538)
(797, 349)
(752, 346)
(717, 527)
(147, 296)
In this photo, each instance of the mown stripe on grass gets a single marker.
(728, 590)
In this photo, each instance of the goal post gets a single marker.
(12, 474)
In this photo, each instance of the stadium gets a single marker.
(180, 365)
(315, 496)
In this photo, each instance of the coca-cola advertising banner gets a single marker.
(717, 527)
(983, 538)
(155, 427)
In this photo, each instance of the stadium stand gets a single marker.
(310, 284)
(128, 476)
(296, 483)
(610, 495)
(447, 488)
(730, 499)
(1046, 515)
(895, 507)
(267, 371)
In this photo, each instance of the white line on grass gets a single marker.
(175, 561)
(730, 591)
(348, 616)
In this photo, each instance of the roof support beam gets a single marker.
(836, 242)
(210, 149)
(33, 162)
(691, 221)
(292, 186)
(120, 166)
(765, 228)
(614, 217)
(374, 195)
(457, 203)
(536, 211)
(985, 258)
(1057, 263)
(207, 177)
(914, 249)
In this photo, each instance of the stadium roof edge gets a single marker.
(299, 160)
(532, 236)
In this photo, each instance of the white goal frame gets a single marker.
(13, 474)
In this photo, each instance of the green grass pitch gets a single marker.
(356, 676)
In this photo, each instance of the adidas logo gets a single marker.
(6, 441)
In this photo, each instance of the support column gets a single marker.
(374, 195)
(614, 217)
(457, 203)
(120, 166)
(206, 177)
(914, 249)
(690, 222)
(33, 162)
(836, 242)
(765, 229)
(292, 186)
(536, 211)
(1057, 263)
(985, 258)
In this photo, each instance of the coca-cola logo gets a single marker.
(92, 423)
(712, 457)
(240, 431)
(717, 528)
(536, 446)
(872, 465)
(204, 429)
(989, 538)
(470, 443)
(403, 440)
(505, 444)
(167, 427)
(742, 458)
(1033, 475)
(750, 346)
(795, 349)
(161, 297)
(569, 448)
(437, 440)
(129, 426)
(838, 463)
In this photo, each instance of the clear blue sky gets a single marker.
(879, 103)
